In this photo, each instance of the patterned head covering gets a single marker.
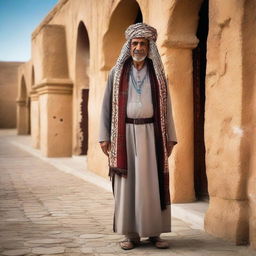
(141, 30)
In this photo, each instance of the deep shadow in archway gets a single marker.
(139, 17)
(199, 72)
(81, 92)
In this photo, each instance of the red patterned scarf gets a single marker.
(118, 154)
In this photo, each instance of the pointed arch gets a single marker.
(23, 109)
(82, 56)
(23, 90)
(125, 14)
(81, 91)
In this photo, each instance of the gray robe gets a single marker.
(137, 200)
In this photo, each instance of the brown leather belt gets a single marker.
(139, 120)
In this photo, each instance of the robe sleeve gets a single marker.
(105, 117)
(171, 128)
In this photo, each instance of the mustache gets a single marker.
(138, 52)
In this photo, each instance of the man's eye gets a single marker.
(134, 43)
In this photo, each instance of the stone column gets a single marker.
(225, 130)
(35, 120)
(55, 103)
(55, 92)
(179, 67)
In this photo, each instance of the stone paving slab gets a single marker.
(44, 211)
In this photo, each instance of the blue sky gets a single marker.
(18, 19)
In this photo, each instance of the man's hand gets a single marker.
(105, 146)
(170, 146)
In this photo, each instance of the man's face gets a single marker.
(139, 49)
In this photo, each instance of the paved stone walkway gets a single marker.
(44, 211)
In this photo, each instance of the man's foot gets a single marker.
(158, 242)
(129, 244)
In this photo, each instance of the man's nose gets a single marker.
(138, 47)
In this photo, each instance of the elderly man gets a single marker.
(137, 134)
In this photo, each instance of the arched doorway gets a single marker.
(199, 72)
(23, 109)
(23, 91)
(125, 14)
(81, 92)
(181, 39)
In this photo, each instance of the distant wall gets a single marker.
(8, 93)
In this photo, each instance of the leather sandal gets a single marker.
(158, 242)
(129, 244)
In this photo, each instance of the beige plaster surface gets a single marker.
(223, 120)
(228, 125)
(228, 219)
(8, 95)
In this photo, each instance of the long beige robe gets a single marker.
(137, 200)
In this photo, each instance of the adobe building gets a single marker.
(208, 50)
(8, 93)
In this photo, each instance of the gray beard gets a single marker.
(139, 59)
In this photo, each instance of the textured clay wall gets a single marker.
(249, 113)
(8, 95)
(228, 126)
